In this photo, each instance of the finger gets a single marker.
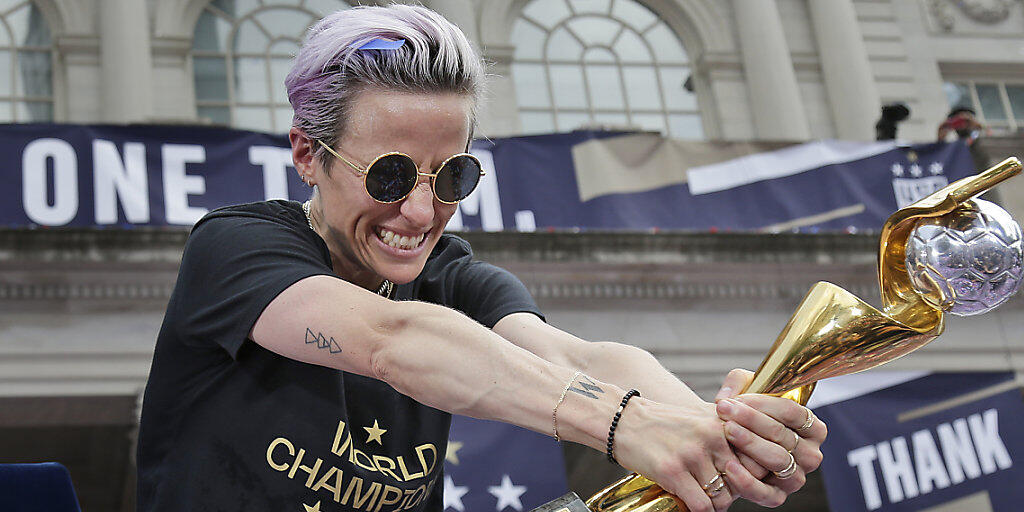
(716, 487)
(693, 495)
(758, 422)
(788, 485)
(756, 470)
(735, 381)
(787, 412)
(762, 493)
(766, 453)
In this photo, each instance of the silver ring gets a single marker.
(807, 424)
(795, 443)
(790, 469)
(715, 487)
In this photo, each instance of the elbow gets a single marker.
(393, 334)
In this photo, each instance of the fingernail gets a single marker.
(723, 393)
(726, 407)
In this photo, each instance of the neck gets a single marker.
(343, 261)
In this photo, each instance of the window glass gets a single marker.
(6, 113)
(685, 126)
(633, 14)
(957, 94)
(569, 121)
(676, 95)
(251, 80)
(325, 7)
(250, 39)
(1016, 95)
(253, 118)
(590, 6)
(282, 119)
(529, 40)
(991, 103)
(667, 48)
(567, 83)
(5, 69)
(537, 122)
(531, 85)
(631, 48)
(279, 67)
(562, 46)
(34, 111)
(593, 30)
(605, 62)
(211, 33)
(547, 13)
(220, 116)
(211, 78)
(34, 74)
(284, 22)
(605, 88)
(642, 88)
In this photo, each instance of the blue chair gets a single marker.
(37, 488)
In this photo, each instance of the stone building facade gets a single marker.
(79, 309)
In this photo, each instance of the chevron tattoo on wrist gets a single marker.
(322, 342)
(586, 387)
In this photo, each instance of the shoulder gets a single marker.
(282, 213)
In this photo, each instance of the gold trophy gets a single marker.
(924, 271)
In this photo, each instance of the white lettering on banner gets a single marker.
(484, 201)
(991, 450)
(178, 185)
(909, 190)
(928, 463)
(958, 450)
(115, 178)
(863, 458)
(959, 459)
(275, 162)
(894, 459)
(35, 185)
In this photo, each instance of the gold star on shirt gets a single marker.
(375, 432)
(314, 508)
(452, 453)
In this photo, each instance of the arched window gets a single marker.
(26, 63)
(601, 62)
(241, 52)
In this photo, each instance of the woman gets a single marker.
(311, 353)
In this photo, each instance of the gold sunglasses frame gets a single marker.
(433, 176)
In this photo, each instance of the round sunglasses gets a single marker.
(391, 177)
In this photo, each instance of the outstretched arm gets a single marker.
(446, 360)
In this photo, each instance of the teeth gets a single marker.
(401, 242)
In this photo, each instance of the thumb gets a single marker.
(735, 381)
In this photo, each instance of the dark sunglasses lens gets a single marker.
(391, 178)
(457, 178)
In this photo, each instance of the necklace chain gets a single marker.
(385, 288)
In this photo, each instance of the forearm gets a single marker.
(446, 360)
(632, 367)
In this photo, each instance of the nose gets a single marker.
(418, 207)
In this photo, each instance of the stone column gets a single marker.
(125, 62)
(774, 94)
(852, 92)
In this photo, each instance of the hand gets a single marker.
(764, 430)
(683, 448)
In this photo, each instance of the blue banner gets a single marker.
(497, 466)
(73, 175)
(948, 439)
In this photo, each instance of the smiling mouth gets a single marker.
(398, 241)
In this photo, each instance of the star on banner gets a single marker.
(507, 494)
(897, 170)
(453, 494)
(314, 508)
(935, 168)
(916, 171)
(452, 453)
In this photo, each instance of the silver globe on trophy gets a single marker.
(946, 253)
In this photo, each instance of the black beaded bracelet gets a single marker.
(615, 423)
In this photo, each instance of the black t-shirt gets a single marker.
(230, 426)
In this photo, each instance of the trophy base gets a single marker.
(569, 503)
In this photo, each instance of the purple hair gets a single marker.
(330, 70)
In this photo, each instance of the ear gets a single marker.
(303, 155)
